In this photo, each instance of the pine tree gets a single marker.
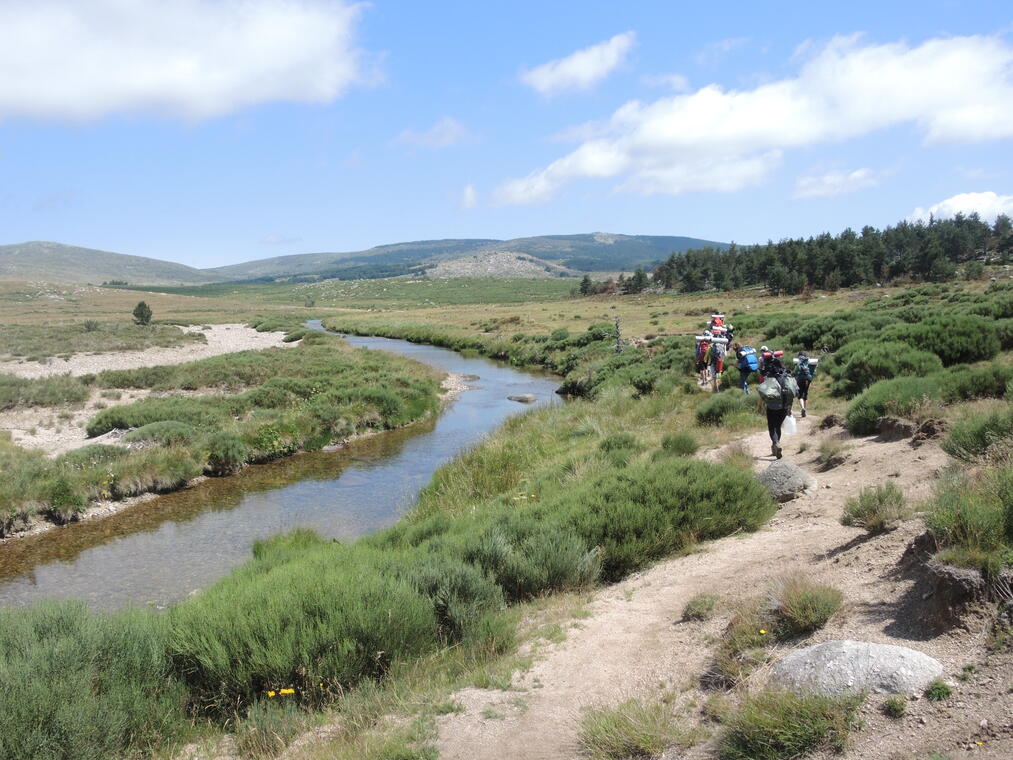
(142, 314)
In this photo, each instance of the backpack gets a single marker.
(701, 350)
(803, 372)
(748, 359)
(778, 392)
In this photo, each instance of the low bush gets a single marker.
(974, 434)
(680, 444)
(774, 725)
(633, 729)
(80, 684)
(165, 432)
(714, 410)
(895, 707)
(224, 453)
(900, 396)
(954, 338)
(44, 391)
(938, 691)
(881, 360)
(799, 605)
(971, 519)
(876, 508)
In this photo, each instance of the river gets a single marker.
(159, 551)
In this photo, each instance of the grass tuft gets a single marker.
(800, 605)
(633, 729)
(938, 690)
(700, 607)
(876, 508)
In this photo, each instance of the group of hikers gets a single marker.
(779, 386)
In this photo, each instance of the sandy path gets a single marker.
(221, 339)
(633, 645)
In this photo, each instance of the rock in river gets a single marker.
(524, 398)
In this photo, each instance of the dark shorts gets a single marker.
(803, 390)
(701, 366)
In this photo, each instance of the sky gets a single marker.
(211, 132)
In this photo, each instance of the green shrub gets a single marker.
(64, 500)
(776, 725)
(974, 434)
(714, 410)
(203, 413)
(93, 455)
(617, 441)
(225, 454)
(800, 605)
(938, 690)
(680, 444)
(972, 520)
(955, 339)
(900, 396)
(895, 707)
(876, 508)
(79, 684)
(633, 729)
(166, 433)
(44, 391)
(700, 607)
(879, 361)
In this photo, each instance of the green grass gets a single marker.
(680, 444)
(800, 605)
(895, 707)
(700, 607)
(41, 342)
(17, 392)
(971, 518)
(876, 508)
(938, 691)
(776, 725)
(633, 729)
(975, 434)
(718, 408)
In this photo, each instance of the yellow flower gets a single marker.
(763, 632)
(287, 691)
(270, 693)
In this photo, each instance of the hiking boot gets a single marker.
(803, 412)
(777, 451)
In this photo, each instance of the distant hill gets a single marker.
(55, 262)
(597, 251)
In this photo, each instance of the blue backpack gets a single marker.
(748, 359)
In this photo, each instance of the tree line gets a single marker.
(937, 251)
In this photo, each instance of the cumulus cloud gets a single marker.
(953, 89)
(988, 206)
(189, 59)
(444, 133)
(836, 183)
(469, 197)
(580, 70)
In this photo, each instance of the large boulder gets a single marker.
(837, 668)
(786, 481)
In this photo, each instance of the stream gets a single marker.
(161, 550)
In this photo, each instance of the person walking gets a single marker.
(719, 347)
(747, 363)
(804, 374)
(778, 391)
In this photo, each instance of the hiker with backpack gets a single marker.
(805, 372)
(747, 363)
(702, 348)
(716, 360)
(778, 391)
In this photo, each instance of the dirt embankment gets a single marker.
(634, 645)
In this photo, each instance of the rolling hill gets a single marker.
(546, 255)
(56, 262)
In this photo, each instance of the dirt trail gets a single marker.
(633, 644)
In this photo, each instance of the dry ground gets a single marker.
(633, 645)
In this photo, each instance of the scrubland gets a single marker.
(375, 635)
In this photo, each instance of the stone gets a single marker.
(470, 378)
(523, 398)
(832, 420)
(786, 481)
(837, 668)
(895, 428)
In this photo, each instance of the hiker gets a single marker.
(777, 391)
(766, 357)
(716, 361)
(747, 363)
(702, 347)
(805, 371)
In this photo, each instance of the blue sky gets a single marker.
(215, 131)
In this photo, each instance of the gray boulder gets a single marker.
(523, 398)
(849, 667)
(786, 481)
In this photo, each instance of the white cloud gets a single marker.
(469, 197)
(836, 183)
(715, 51)
(675, 82)
(580, 70)
(444, 133)
(988, 205)
(189, 59)
(953, 89)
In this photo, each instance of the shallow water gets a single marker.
(160, 551)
